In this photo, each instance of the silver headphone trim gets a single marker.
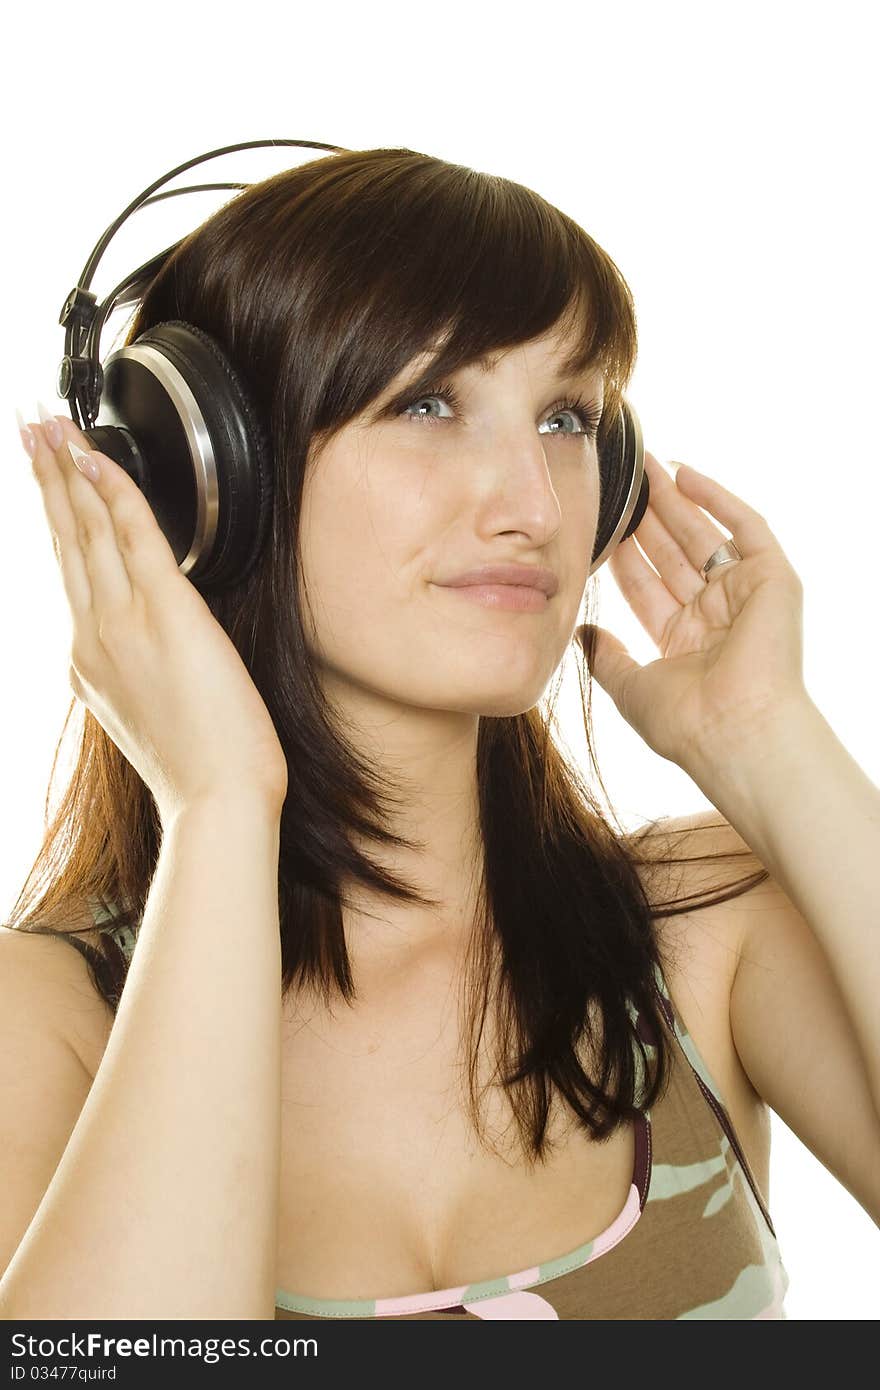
(198, 439)
(632, 497)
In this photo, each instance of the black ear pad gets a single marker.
(179, 419)
(240, 446)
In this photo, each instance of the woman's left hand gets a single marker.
(731, 647)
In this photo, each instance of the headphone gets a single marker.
(178, 419)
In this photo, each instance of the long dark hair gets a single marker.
(320, 284)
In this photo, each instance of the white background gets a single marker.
(724, 155)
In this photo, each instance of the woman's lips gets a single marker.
(514, 598)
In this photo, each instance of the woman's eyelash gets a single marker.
(589, 411)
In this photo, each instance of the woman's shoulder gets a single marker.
(42, 945)
(681, 861)
(57, 969)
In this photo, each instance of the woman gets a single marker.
(335, 786)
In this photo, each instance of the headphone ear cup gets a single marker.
(179, 419)
(623, 484)
(640, 508)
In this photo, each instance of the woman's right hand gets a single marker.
(148, 657)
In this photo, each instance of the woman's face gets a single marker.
(396, 506)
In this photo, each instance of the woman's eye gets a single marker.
(421, 400)
(585, 414)
(443, 391)
(583, 422)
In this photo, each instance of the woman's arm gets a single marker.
(812, 817)
(165, 1201)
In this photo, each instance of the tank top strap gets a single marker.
(124, 937)
(710, 1089)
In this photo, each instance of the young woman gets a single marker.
(374, 1012)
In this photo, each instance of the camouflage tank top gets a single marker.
(694, 1238)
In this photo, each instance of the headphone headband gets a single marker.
(80, 378)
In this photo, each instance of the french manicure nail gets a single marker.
(54, 432)
(84, 462)
(28, 438)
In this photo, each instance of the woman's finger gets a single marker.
(95, 577)
(61, 520)
(666, 555)
(128, 539)
(685, 536)
(643, 589)
(748, 528)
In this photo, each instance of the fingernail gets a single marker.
(54, 432)
(86, 463)
(28, 438)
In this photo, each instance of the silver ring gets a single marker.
(726, 554)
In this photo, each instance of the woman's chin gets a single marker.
(501, 704)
